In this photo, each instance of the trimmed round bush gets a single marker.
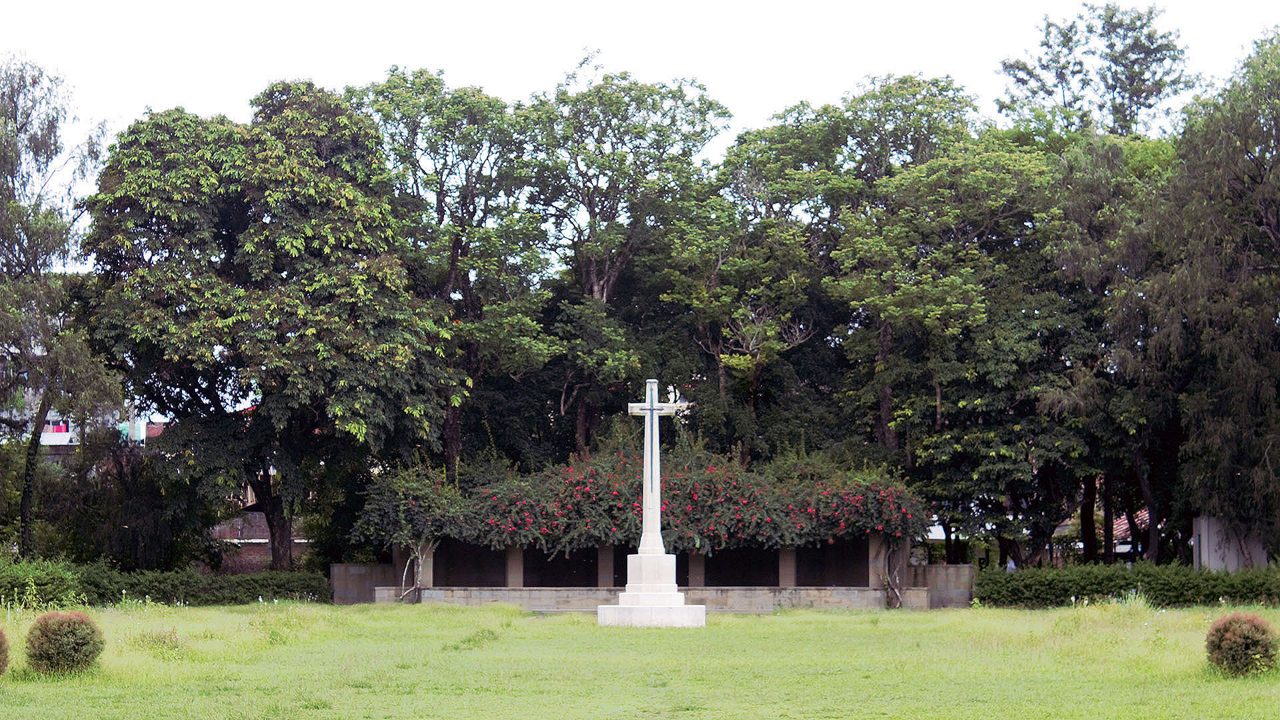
(63, 642)
(4, 653)
(1241, 643)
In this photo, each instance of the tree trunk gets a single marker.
(1009, 548)
(885, 433)
(452, 430)
(722, 378)
(582, 428)
(452, 442)
(1134, 539)
(1152, 549)
(1108, 525)
(1088, 526)
(746, 445)
(26, 539)
(279, 526)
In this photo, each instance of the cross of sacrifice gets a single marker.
(651, 409)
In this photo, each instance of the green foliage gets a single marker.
(1241, 644)
(264, 264)
(414, 507)
(63, 642)
(104, 586)
(1018, 323)
(1220, 244)
(963, 333)
(1108, 66)
(39, 583)
(45, 361)
(1162, 585)
(135, 508)
(44, 584)
(457, 158)
(612, 169)
(4, 652)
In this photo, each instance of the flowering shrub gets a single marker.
(706, 506)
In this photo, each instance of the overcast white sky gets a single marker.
(757, 58)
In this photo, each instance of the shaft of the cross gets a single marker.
(651, 529)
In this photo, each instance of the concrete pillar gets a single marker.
(697, 569)
(604, 566)
(787, 567)
(515, 567)
(876, 549)
(399, 557)
(878, 557)
(427, 573)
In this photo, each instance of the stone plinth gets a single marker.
(652, 616)
(651, 598)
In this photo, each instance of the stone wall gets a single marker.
(355, 582)
(717, 599)
(950, 586)
(769, 599)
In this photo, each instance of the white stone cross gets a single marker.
(651, 598)
(651, 409)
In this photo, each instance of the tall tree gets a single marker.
(253, 287)
(611, 156)
(956, 262)
(457, 156)
(1109, 66)
(45, 362)
(892, 124)
(1127, 406)
(747, 291)
(1211, 295)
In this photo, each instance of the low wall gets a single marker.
(355, 582)
(950, 586)
(717, 599)
(915, 598)
(769, 599)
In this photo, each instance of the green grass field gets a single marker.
(315, 661)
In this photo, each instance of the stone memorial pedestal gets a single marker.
(651, 598)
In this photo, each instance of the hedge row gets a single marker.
(1162, 585)
(55, 584)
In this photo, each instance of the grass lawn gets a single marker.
(316, 661)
